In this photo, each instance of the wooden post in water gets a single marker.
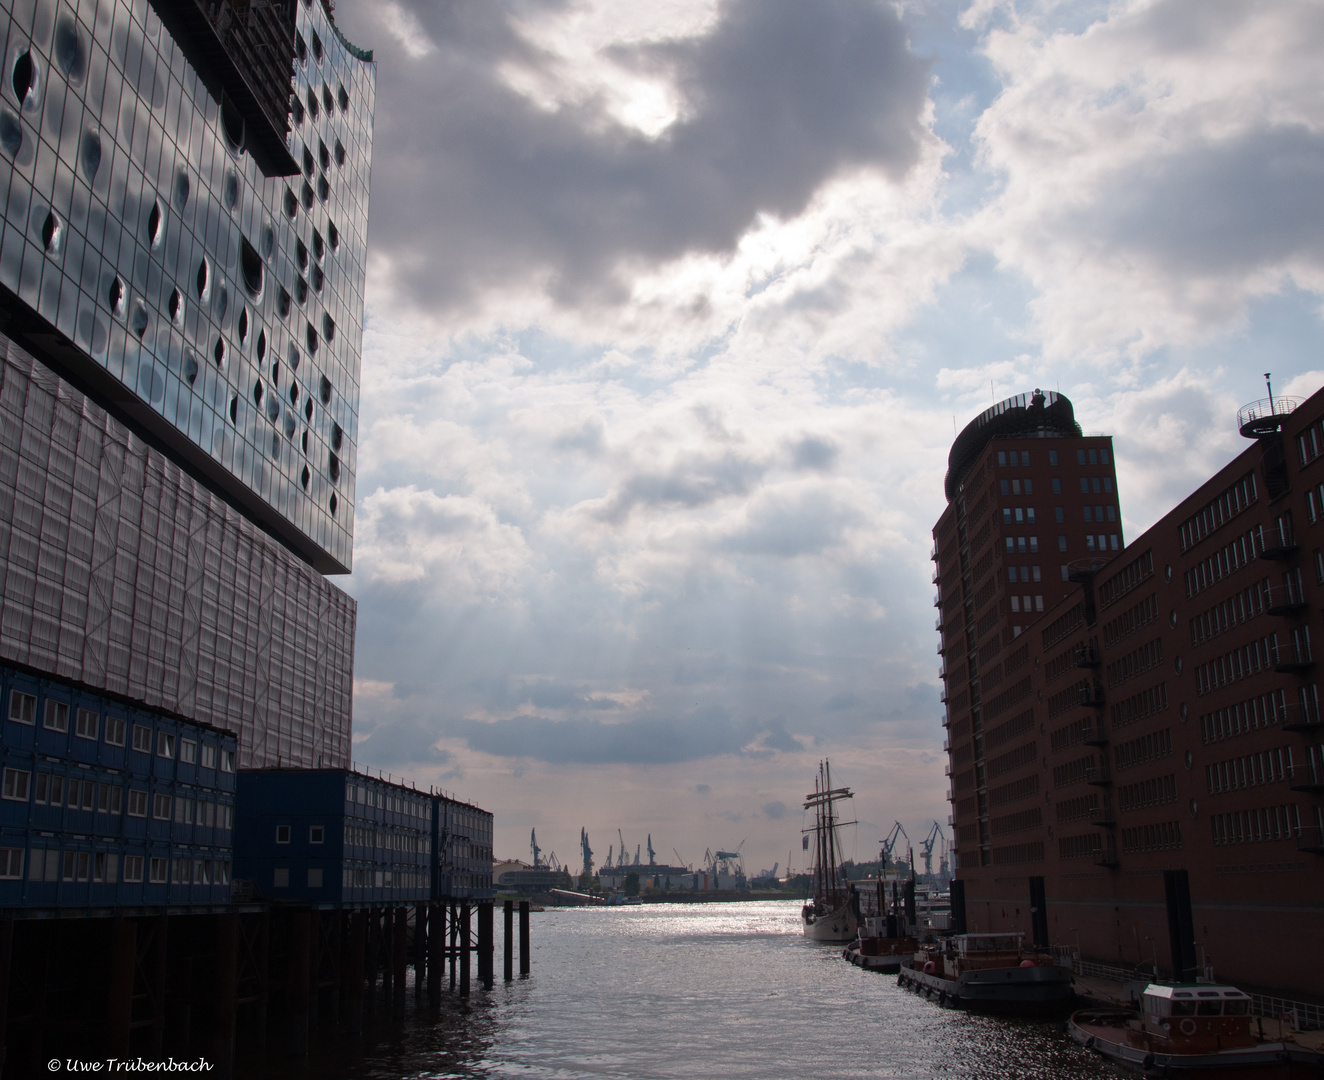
(420, 949)
(157, 970)
(465, 945)
(226, 991)
(508, 957)
(400, 956)
(6, 955)
(298, 975)
(485, 944)
(436, 950)
(455, 942)
(358, 947)
(119, 998)
(523, 937)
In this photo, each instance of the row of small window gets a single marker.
(51, 864)
(1015, 515)
(386, 841)
(361, 795)
(51, 789)
(1023, 573)
(1096, 513)
(1109, 542)
(87, 722)
(355, 878)
(1096, 456)
(1096, 484)
(1021, 545)
(1022, 603)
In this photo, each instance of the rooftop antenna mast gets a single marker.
(1269, 384)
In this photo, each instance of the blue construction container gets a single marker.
(332, 837)
(104, 804)
(462, 840)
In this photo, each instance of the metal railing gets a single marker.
(1262, 413)
(1305, 775)
(1302, 1015)
(1310, 838)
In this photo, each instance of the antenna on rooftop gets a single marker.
(1269, 384)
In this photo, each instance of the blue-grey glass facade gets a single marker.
(149, 258)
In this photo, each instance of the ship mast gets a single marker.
(826, 851)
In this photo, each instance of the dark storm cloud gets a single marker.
(693, 481)
(1234, 205)
(476, 186)
(775, 811)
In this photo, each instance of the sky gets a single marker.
(673, 311)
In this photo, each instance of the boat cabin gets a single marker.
(1198, 1013)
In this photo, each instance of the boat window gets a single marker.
(1183, 1008)
(1236, 1008)
(1156, 1006)
(1210, 1008)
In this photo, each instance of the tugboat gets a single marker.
(833, 914)
(1192, 1030)
(987, 972)
(887, 938)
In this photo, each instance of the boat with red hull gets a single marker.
(1195, 1031)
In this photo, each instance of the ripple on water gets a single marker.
(691, 992)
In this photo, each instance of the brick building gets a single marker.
(1137, 770)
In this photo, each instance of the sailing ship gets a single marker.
(833, 913)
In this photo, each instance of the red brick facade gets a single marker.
(1159, 714)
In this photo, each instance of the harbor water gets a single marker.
(694, 991)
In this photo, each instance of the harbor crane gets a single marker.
(890, 843)
(587, 851)
(652, 861)
(533, 845)
(926, 847)
(620, 859)
(679, 861)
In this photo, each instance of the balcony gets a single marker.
(1264, 417)
(937, 599)
(1310, 838)
(1289, 659)
(1283, 601)
(1108, 857)
(1279, 545)
(1306, 776)
(1104, 818)
(1302, 718)
(1095, 735)
(933, 553)
(1087, 656)
(1101, 775)
(1092, 697)
(937, 623)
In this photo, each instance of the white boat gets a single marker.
(833, 913)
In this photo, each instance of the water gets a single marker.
(698, 991)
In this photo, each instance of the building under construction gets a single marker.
(181, 299)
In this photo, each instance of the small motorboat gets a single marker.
(989, 972)
(1192, 1030)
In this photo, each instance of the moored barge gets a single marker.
(988, 973)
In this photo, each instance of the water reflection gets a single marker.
(696, 991)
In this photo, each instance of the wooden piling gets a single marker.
(358, 947)
(465, 945)
(298, 982)
(508, 955)
(523, 937)
(119, 997)
(400, 955)
(226, 994)
(436, 950)
(485, 944)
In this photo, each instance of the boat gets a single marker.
(888, 931)
(1192, 1030)
(832, 914)
(989, 973)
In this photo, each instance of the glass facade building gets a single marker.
(185, 196)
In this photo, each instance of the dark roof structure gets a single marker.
(1043, 414)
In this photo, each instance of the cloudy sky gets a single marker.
(672, 310)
